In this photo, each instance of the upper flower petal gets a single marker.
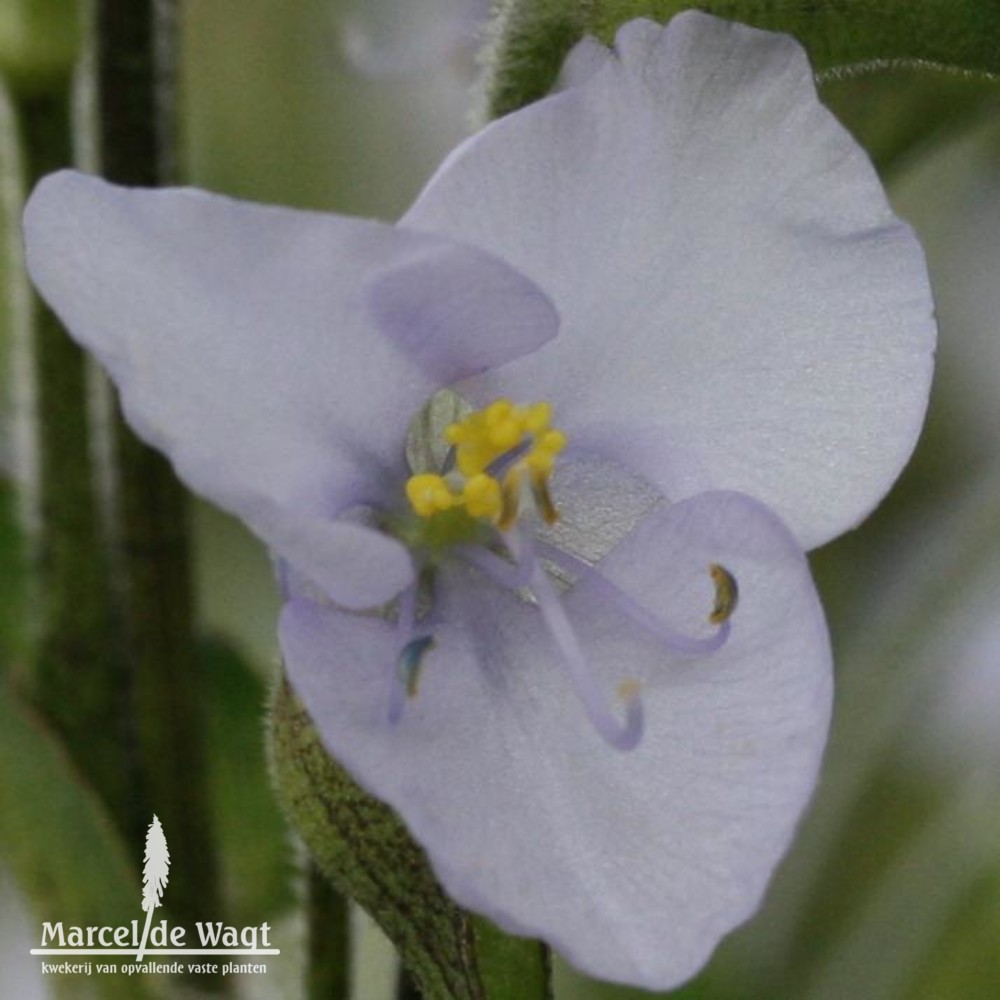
(730, 277)
(632, 864)
(243, 343)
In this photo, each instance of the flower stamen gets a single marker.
(621, 735)
(497, 460)
(527, 571)
(543, 498)
(727, 594)
(429, 493)
(510, 491)
(492, 451)
(404, 680)
(677, 642)
(410, 662)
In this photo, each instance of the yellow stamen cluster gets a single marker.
(479, 440)
(429, 493)
(482, 437)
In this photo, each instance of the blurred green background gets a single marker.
(893, 888)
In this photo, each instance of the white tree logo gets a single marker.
(154, 876)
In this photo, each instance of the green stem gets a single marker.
(406, 988)
(135, 101)
(532, 37)
(363, 846)
(77, 679)
(135, 43)
(329, 967)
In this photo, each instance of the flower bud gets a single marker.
(362, 846)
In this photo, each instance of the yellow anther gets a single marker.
(482, 496)
(537, 417)
(727, 594)
(629, 690)
(539, 462)
(428, 494)
(496, 411)
(472, 459)
(505, 434)
(520, 439)
(552, 442)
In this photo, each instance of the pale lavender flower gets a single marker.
(691, 261)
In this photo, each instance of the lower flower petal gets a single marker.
(355, 566)
(632, 864)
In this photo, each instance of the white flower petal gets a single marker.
(730, 276)
(631, 864)
(242, 340)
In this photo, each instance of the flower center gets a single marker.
(495, 451)
(486, 461)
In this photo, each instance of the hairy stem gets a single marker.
(134, 46)
(532, 37)
(406, 988)
(78, 678)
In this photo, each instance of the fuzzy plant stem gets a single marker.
(134, 46)
(406, 988)
(77, 677)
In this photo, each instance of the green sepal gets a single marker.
(365, 850)
(531, 37)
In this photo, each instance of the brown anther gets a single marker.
(543, 499)
(629, 689)
(510, 499)
(727, 594)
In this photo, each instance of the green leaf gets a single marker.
(366, 851)
(886, 942)
(511, 968)
(965, 962)
(531, 37)
(58, 841)
(870, 812)
(254, 850)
